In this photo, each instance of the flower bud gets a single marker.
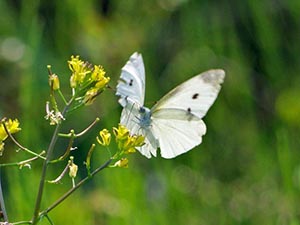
(105, 137)
(54, 82)
(73, 170)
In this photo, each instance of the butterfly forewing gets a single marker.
(131, 86)
(193, 97)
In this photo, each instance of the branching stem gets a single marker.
(19, 145)
(80, 183)
(45, 165)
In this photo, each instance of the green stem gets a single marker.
(68, 150)
(21, 222)
(24, 162)
(2, 204)
(88, 159)
(62, 174)
(43, 176)
(44, 169)
(88, 128)
(82, 132)
(19, 145)
(80, 183)
(62, 96)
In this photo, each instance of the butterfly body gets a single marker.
(145, 117)
(174, 124)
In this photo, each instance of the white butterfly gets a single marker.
(174, 123)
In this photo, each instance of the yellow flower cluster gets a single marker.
(12, 127)
(126, 142)
(87, 77)
(79, 70)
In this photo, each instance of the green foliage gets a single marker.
(247, 169)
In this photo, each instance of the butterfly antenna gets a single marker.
(130, 111)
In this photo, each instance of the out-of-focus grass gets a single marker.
(246, 171)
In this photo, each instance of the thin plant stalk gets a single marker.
(45, 165)
(5, 217)
(19, 145)
(79, 184)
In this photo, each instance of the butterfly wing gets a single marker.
(194, 96)
(131, 85)
(151, 143)
(176, 118)
(131, 89)
(176, 137)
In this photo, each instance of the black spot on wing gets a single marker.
(189, 113)
(195, 96)
(131, 82)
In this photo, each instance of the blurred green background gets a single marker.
(246, 171)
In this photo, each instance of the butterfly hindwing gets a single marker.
(177, 136)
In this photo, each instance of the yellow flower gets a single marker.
(12, 127)
(133, 142)
(121, 132)
(139, 140)
(3, 134)
(98, 76)
(126, 142)
(98, 73)
(102, 83)
(79, 70)
(105, 137)
(129, 145)
(123, 163)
